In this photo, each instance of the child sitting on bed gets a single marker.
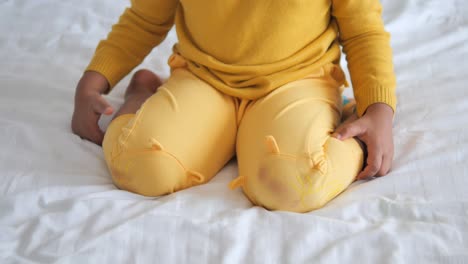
(257, 79)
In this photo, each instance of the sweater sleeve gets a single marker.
(141, 27)
(368, 52)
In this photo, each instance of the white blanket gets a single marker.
(58, 203)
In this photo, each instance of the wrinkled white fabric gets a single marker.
(58, 204)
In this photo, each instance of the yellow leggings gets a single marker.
(187, 131)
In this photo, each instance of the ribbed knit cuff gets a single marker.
(376, 95)
(112, 69)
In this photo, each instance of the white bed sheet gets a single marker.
(58, 204)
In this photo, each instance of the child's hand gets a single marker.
(374, 128)
(89, 106)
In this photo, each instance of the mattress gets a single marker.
(58, 203)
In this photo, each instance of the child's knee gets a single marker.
(280, 185)
(150, 172)
(288, 182)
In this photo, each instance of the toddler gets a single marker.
(257, 79)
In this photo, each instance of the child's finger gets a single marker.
(374, 163)
(101, 106)
(95, 134)
(98, 136)
(89, 128)
(386, 165)
(349, 130)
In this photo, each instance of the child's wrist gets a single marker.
(381, 111)
(91, 82)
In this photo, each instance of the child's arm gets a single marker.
(369, 56)
(140, 28)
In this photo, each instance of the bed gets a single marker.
(58, 203)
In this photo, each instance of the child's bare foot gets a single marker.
(143, 84)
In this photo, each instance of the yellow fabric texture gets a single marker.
(247, 49)
(175, 140)
(187, 131)
(286, 156)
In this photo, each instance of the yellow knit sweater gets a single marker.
(248, 48)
